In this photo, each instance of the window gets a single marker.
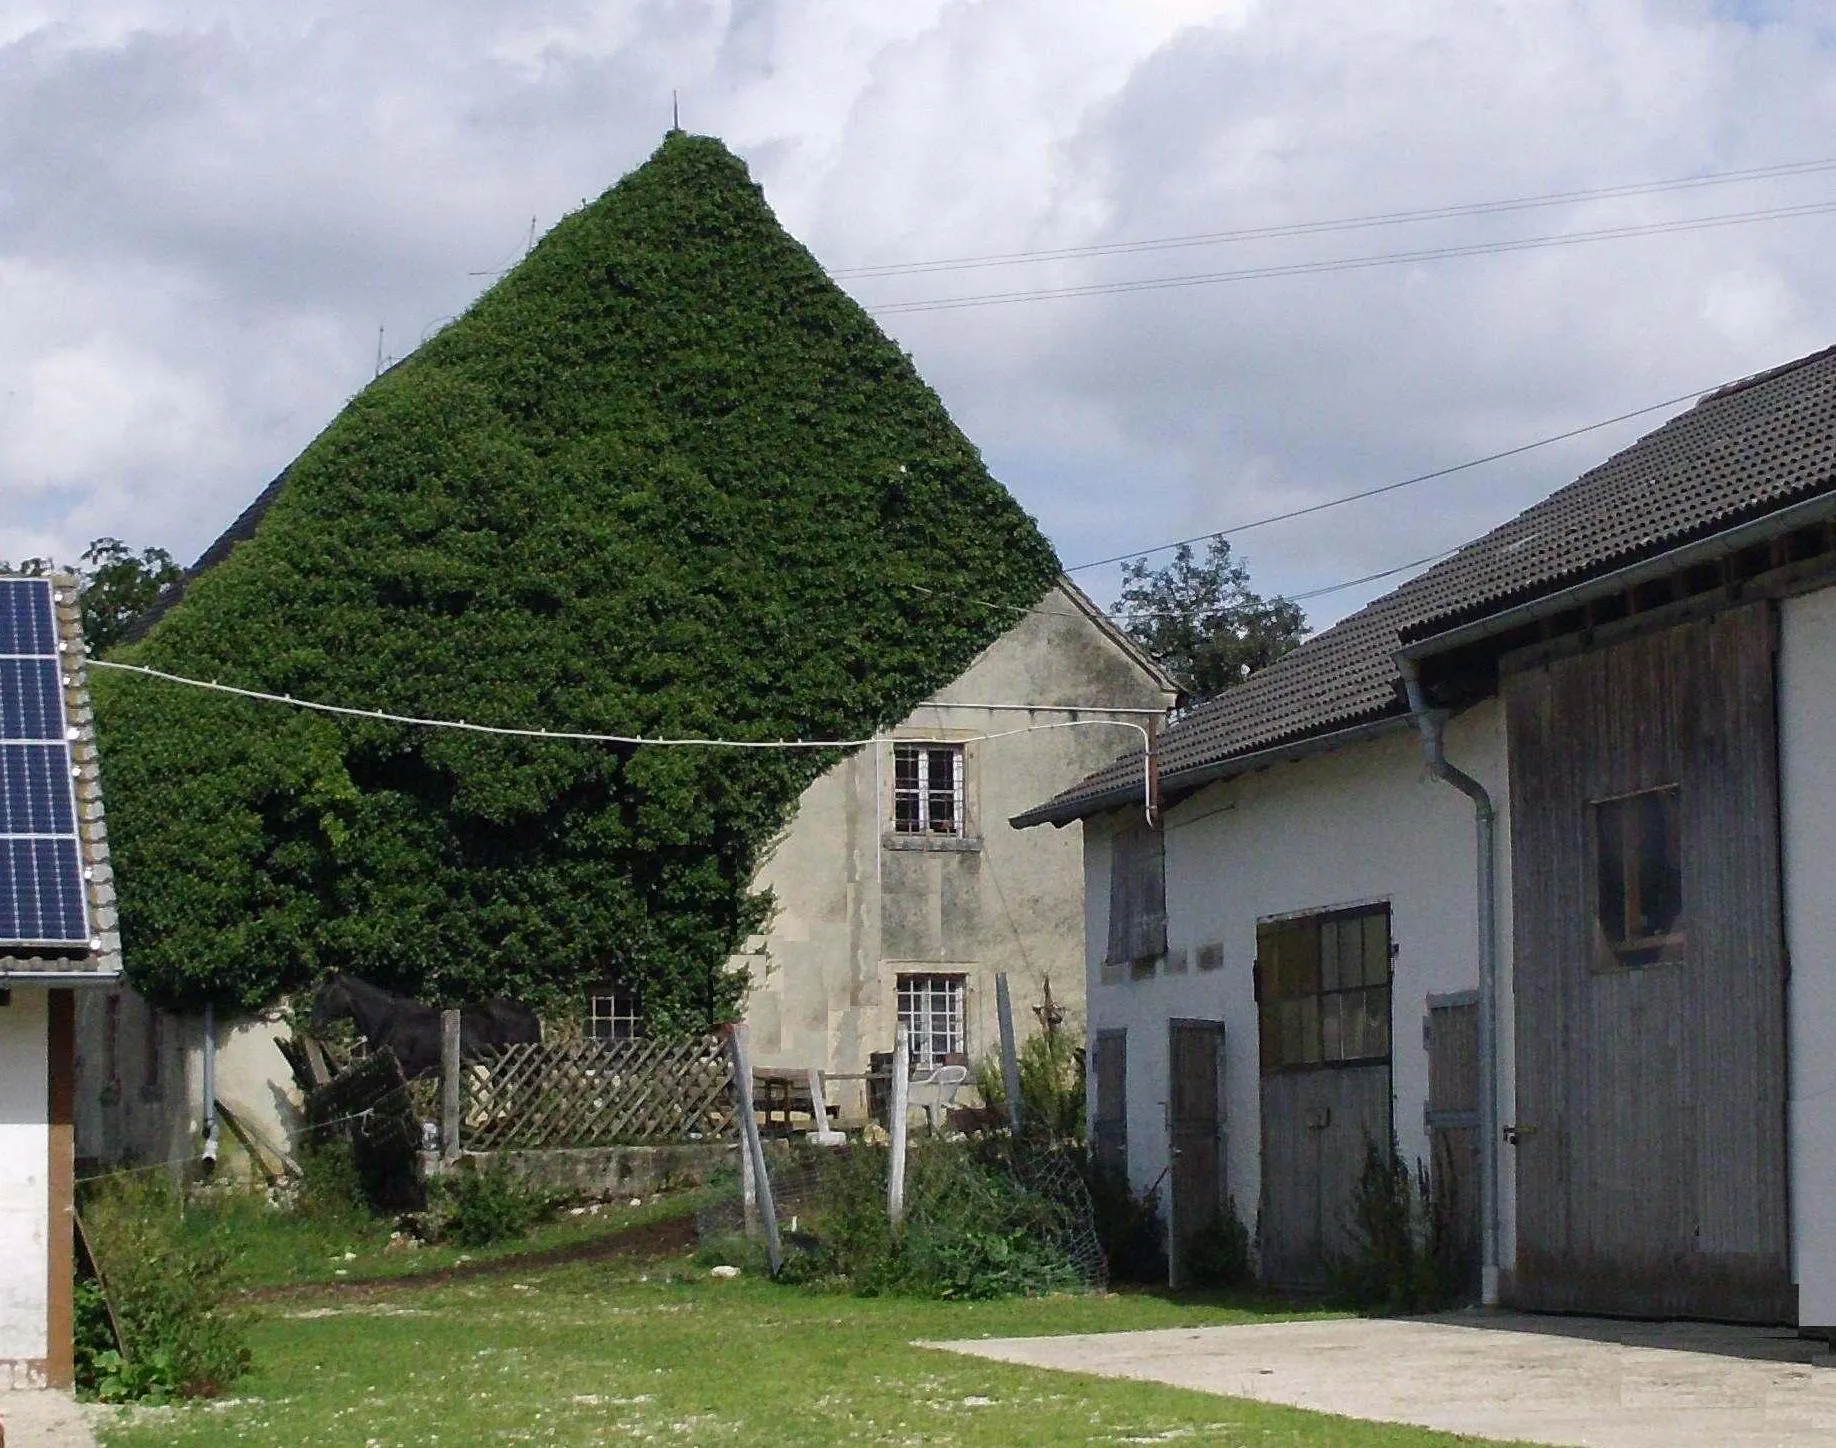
(1638, 854)
(1137, 899)
(1323, 988)
(613, 1015)
(928, 789)
(931, 1010)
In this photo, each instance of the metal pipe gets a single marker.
(1433, 726)
(210, 1085)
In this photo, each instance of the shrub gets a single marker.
(480, 1206)
(1051, 1086)
(1129, 1226)
(972, 1230)
(1218, 1254)
(167, 1290)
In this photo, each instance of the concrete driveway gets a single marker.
(38, 1418)
(1577, 1381)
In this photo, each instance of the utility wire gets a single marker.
(1354, 263)
(1340, 501)
(1348, 223)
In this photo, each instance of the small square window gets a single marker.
(613, 1015)
(931, 1010)
(1638, 874)
(928, 789)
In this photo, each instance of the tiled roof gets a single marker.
(1741, 452)
(105, 960)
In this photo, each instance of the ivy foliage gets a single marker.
(664, 478)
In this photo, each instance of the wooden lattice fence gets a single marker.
(596, 1093)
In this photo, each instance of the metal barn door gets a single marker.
(1323, 990)
(1650, 977)
(1195, 1120)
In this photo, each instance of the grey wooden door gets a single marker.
(1650, 977)
(1323, 990)
(1109, 1120)
(1452, 1037)
(1195, 1120)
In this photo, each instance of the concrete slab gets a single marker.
(40, 1418)
(1569, 1381)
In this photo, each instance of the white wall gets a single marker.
(1807, 769)
(1363, 824)
(25, 1153)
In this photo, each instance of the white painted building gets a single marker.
(1636, 681)
(57, 940)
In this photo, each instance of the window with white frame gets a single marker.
(928, 789)
(613, 1015)
(931, 1010)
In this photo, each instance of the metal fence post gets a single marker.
(1010, 1058)
(895, 1127)
(754, 1146)
(449, 1085)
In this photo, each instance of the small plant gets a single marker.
(167, 1290)
(492, 1204)
(1218, 1254)
(1402, 1255)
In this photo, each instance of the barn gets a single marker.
(57, 936)
(1526, 867)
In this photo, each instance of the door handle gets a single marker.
(1514, 1135)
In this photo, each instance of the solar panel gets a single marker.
(43, 899)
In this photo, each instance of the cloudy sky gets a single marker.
(209, 209)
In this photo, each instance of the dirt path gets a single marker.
(648, 1240)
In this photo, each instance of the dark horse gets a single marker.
(412, 1030)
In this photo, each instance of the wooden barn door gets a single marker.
(1323, 988)
(1195, 1121)
(1451, 1034)
(1650, 977)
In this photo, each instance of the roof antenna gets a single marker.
(675, 113)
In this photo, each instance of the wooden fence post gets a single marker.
(895, 1127)
(1010, 1058)
(753, 1145)
(449, 1085)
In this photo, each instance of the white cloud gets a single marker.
(207, 209)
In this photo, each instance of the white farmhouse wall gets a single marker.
(858, 905)
(25, 1189)
(1363, 824)
(1807, 768)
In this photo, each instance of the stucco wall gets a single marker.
(1807, 794)
(24, 1182)
(1364, 824)
(857, 906)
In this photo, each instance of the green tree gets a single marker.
(662, 479)
(1203, 621)
(116, 586)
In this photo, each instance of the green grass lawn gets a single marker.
(658, 1352)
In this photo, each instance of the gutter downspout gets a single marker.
(209, 1153)
(1433, 725)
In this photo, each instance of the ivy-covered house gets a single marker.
(664, 479)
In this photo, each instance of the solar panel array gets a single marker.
(43, 899)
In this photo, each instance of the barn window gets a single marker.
(1323, 988)
(1137, 898)
(613, 1015)
(931, 1010)
(1638, 853)
(928, 789)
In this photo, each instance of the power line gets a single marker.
(1355, 263)
(1312, 508)
(1348, 223)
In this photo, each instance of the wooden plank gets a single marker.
(1109, 1124)
(1316, 1125)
